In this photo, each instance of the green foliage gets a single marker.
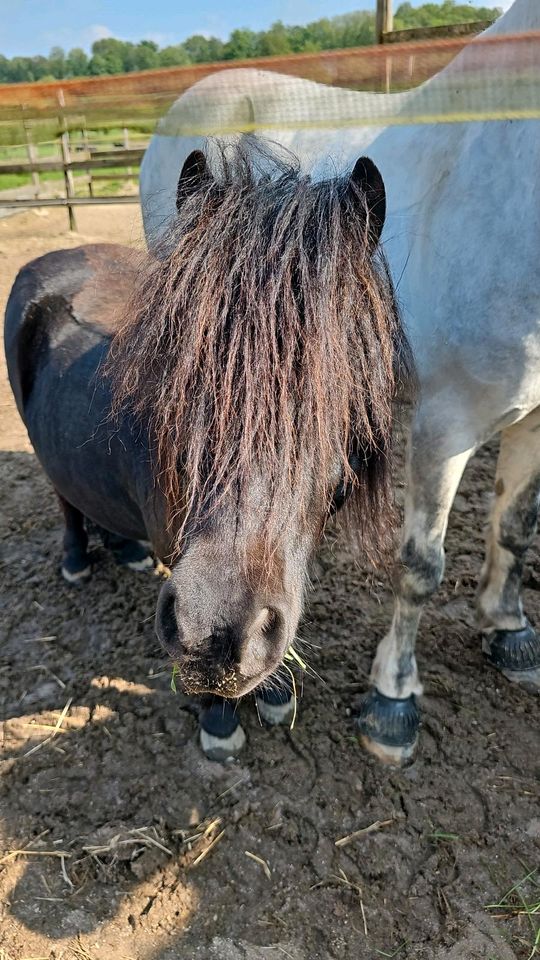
(437, 14)
(330, 33)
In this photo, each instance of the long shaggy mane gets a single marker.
(264, 343)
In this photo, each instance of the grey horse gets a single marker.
(462, 236)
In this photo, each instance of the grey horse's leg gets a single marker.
(389, 716)
(510, 642)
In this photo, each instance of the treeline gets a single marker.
(120, 56)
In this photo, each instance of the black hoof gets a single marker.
(389, 727)
(513, 649)
(516, 653)
(275, 706)
(221, 736)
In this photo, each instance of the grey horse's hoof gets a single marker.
(221, 736)
(275, 706)
(389, 727)
(516, 653)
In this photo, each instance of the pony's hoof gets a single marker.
(389, 727)
(76, 577)
(516, 653)
(275, 706)
(134, 555)
(221, 736)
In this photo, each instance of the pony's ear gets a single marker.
(367, 178)
(194, 172)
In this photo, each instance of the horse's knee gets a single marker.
(421, 572)
(519, 521)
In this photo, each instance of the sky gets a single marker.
(30, 27)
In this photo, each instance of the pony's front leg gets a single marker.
(389, 717)
(76, 566)
(509, 641)
(221, 735)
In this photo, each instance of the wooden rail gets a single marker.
(95, 160)
(67, 201)
(99, 161)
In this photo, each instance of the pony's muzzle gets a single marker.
(228, 653)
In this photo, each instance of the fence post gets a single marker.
(64, 147)
(126, 147)
(86, 145)
(388, 74)
(31, 153)
(68, 178)
(383, 20)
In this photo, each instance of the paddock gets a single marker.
(119, 839)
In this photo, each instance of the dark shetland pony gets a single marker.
(220, 402)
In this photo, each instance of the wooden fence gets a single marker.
(94, 159)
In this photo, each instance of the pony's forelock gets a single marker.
(264, 345)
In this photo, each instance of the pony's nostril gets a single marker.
(266, 622)
(273, 621)
(167, 627)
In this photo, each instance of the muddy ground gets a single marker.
(144, 843)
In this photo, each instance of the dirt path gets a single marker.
(122, 805)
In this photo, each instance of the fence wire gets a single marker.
(493, 77)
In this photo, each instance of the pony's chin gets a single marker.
(230, 687)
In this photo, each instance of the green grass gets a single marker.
(439, 836)
(522, 900)
(10, 181)
(49, 148)
(395, 953)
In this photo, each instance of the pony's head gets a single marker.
(262, 351)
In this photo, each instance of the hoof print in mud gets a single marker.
(389, 727)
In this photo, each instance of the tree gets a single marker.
(146, 55)
(438, 14)
(77, 63)
(57, 63)
(357, 29)
(109, 54)
(241, 45)
(174, 56)
(203, 49)
(275, 42)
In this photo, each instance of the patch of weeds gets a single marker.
(439, 836)
(523, 900)
(395, 953)
(174, 674)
